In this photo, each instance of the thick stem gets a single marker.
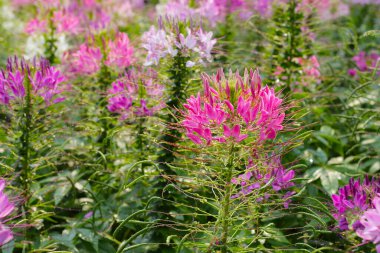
(226, 203)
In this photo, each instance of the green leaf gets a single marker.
(371, 33)
(62, 190)
(330, 180)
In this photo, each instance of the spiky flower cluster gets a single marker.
(357, 208)
(273, 174)
(192, 43)
(69, 17)
(352, 200)
(370, 221)
(7, 208)
(136, 94)
(45, 81)
(88, 58)
(230, 109)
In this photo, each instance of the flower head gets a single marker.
(273, 173)
(231, 109)
(120, 51)
(193, 43)
(136, 94)
(87, 59)
(365, 63)
(36, 25)
(45, 81)
(67, 21)
(353, 200)
(370, 224)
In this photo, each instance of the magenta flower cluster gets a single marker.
(215, 11)
(45, 80)
(370, 224)
(88, 58)
(75, 17)
(6, 209)
(274, 173)
(365, 63)
(194, 44)
(309, 71)
(136, 94)
(357, 208)
(230, 109)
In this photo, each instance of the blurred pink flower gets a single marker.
(86, 60)
(66, 22)
(35, 25)
(366, 62)
(120, 51)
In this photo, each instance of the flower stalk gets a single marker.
(50, 40)
(26, 127)
(227, 202)
(179, 74)
(104, 82)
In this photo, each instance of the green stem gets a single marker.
(24, 152)
(25, 141)
(140, 141)
(104, 82)
(50, 41)
(226, 203)
(291, 48)
(179, 75)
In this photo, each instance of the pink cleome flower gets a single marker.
(192, 43)
(120, 51)
(352, 200)
(365, 63)
(231, 109)
(67, 21)
(370, 221)
(46, 81)
(87, 60)
(273, 173)
(35, 25)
